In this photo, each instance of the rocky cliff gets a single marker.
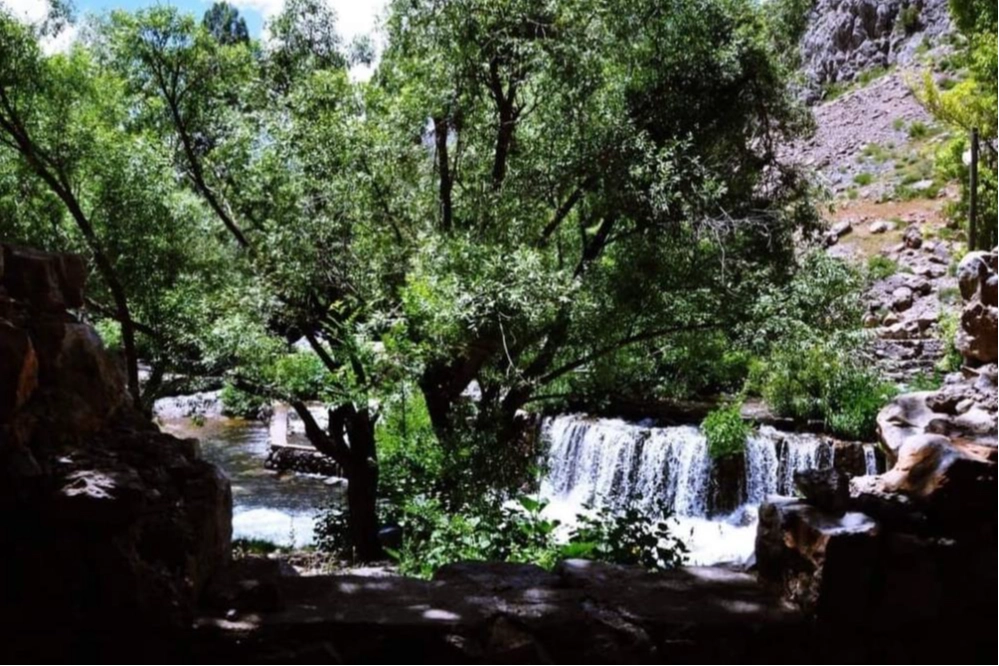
(847, 37)
(111, 529)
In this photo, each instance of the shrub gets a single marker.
(863, 179)
(823, 382)
(518, 532)
(926, 382)
(880, 267)
(490, 530)
(909, 18)
(240, 404)
(332, 532)
(918, 130)
(952, 359)
(725, 431)
(625, 537)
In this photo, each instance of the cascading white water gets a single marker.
(611, 463)
(870, 460)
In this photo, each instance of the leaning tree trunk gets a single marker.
(350, 441)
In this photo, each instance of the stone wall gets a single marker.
(108, 525)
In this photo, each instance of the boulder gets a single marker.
(901, 299)
(18, 369)
(971, 271)
(954, 484)
(821, 562)
(977, 337)
(879, 227)
(912, 237)
(827, 489)
(108, 524)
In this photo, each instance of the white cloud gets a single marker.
(35, 11)
(354, 17)
(30, 11)
(60, 43)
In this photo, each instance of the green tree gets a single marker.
(525, 196)
(225, 24)
(971, 104)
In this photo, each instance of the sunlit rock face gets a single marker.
(108, 524)
(847, 37)
(977, 337)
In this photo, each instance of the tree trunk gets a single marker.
(362, 485)
(362, 495)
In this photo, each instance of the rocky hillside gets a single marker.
(847, 38)
(111, 530)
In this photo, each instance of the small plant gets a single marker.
(863, 179)
(726, 431)
(918, 130)
(245, 547)
(926, 381)
(332, 532)
(898, 124)
(852, 193)
(952, 359)
(880, 267)
(625, 537)
(909, 18)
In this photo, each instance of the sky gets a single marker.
(355, 16)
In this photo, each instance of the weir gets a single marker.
(597, 463)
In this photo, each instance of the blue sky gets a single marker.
(355, 16)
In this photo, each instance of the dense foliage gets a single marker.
(514, 531)
(529, 202)
(725, 431)
(971, 103)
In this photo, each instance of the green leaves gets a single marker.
(726, 431)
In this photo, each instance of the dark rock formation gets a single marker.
(827, 488)
(915, 551)
(301, 459)
(111, 529)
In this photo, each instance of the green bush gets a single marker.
(625, 537)
(926, 382)
(332, 532)
(918, 130)
(863, 179)
(725, 431)
(952, 359)
(823, 381)
(909, 18)
(880, 267)
(433, 537)
(492, 530)
(240, 404)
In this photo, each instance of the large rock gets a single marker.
(977, 338)
(953, 482)
(820, 561)
(847, 37)
(979, 332)
(111, 529)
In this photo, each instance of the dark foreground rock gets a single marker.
(111, 530)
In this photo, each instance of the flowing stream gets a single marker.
(613, 463)
(280, 508)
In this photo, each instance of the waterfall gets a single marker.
(611, 463)
(870, 460)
